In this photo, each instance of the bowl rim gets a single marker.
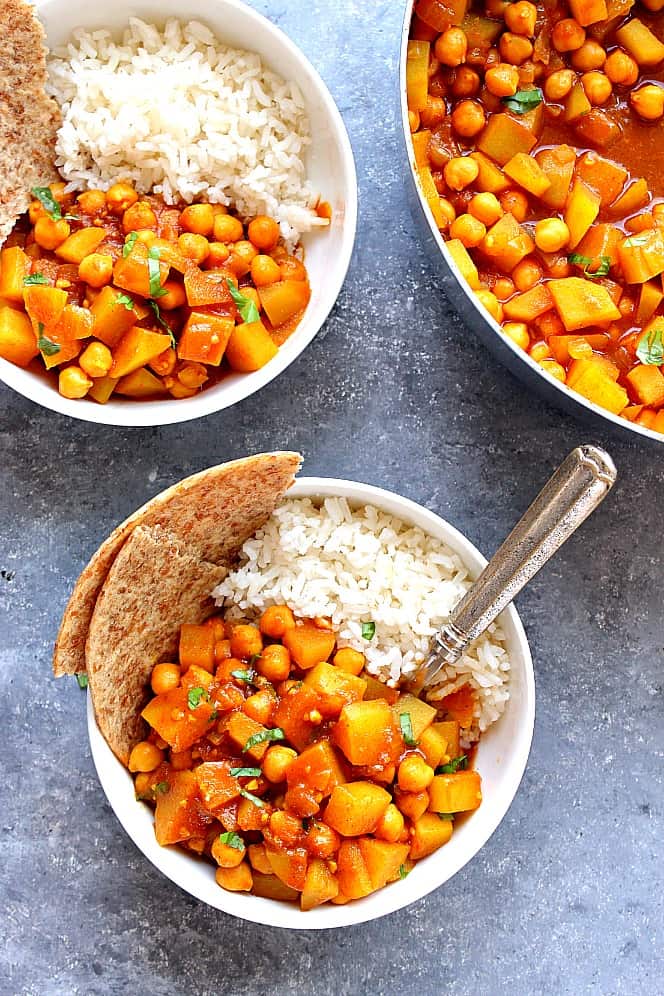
(142, 415)
(522, 357)
(118, 787)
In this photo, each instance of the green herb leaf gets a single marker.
(403, 871)
(650, 349)
(368, 630)
(407, 729)
(45, 196)
(246, 772)
(523, 100)
(232, 840)
(586, 262)
(248, 310)
(82, 680)
(160, 321)
(262, 736)
(47, 347)
(129, 244)
(162, 787)
(35, 278)
(252, 798)
(247, 675)
(446, 816)
(458, 764)
(156, 290)
(197, 695)
(126, 300)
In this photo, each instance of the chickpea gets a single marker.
(559, 267)
(514, 202)
(521, 18)
(559, 84)
(526, 274)
(50, 234)
(194, 247)
(490, 302)
(96, 360)
(647, 101)
(192, 375)
(246, 641)
(145, 756)
(276, 763)
(276, 620)
(227, 228)
(120, 197)
(540, 351)
(349, 660)
(412, 804)
(468, 118)
(263, 232)
(274, 663)
(654, 5)
(241, 257)
(36, 210)
(460, 172)
(414, 774)
(468, 230)
(555, 369)
(568, 35)
(217, 255)
(146, 235)
(164, 364)
(466, 82)
(260, 706)
(292, 269)
(391, 824)
(597, 87)
(514, 48)
(451, 47)
(518, 333)
(285, 827)
(164, 678)
(503, 288)
(502, 80)
(264, 271)
(92, 202)
(486, 208)
(322, 841)
(413, 122)
(551, 234)
(73, 383)
(237, 879)
(174, 297)
(591, 55)
(139, 215)
(434, 112)
(198, 219)
(96, 270)
(621, 68)
(226, 855)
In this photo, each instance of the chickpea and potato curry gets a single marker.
(121, 295)
(277, 757)
(536, 134)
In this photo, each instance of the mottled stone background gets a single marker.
(566, 898)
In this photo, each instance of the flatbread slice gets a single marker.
(212, 513)
(151, 590)
(29, 119)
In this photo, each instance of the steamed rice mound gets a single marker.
(362, 565)
(176, 113)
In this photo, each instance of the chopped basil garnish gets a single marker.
(248, 310)
(252, 798)
(130, 242)
(35, 278)
(247, 676)
(650, 349)
(586, 262)
(160, 321)
(161, 787)
(368, 630)
(458, 764)
(232, 840)
(246, 772)
(403, 871)
(126, 300)
(446, 816)
(45, 196)
(156, 290)
(523, 100)
(47, 347)
(82, 680)
(195, 696)
(406, 729)
(262, 736)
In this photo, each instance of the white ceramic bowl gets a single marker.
(330, 168)
(501, 759)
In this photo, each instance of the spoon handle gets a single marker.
(574, 491)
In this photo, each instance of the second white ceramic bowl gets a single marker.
(501, 759)
(330, 168)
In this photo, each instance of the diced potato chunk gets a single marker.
(450, 731)
(455, 793)
(356, 807)
(140, 384)
(136, 348)
(490, 178)
(14, 268)
(431, 195)
(176, 722)
(525, 171)
(320, 885)
(557, 164)
(317, 768)
(336, 688)
(642, 256)
(216, 784)
(503, 137)
(308, 645)
(580, 211)
(507, 243)
(382, 860)
(588, 11)
(289, 866)
(240, 729)
(417, 74)
(592, 382)
(647, 383)
(179, 815)
(465, 264)
(581, 303)
(429, 833)
(640, 42)
(18, 343)
(421, 713)
(352, 872)
(80, 244)
(271, 887)
(366, 732)
(529, 305)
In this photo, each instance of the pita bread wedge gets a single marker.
(212, 513)
(29, 119)
(151, 590)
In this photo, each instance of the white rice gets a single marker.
(177, 113)
(365, 565)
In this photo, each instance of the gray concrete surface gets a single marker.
(566, 898)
